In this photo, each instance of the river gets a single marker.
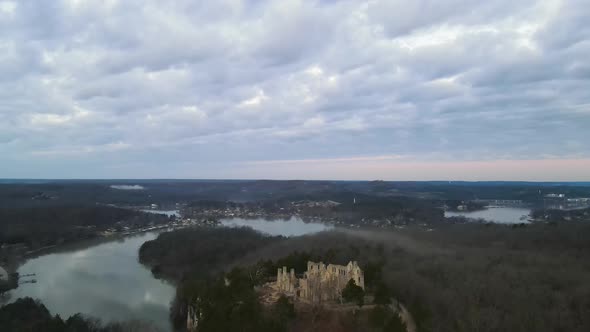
(501, 215)
(290, 227)
(106, 280)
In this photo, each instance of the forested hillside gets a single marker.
(44, 226)
(474, 277)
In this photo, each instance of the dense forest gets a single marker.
(90, 192)
(199, 252)
(229, 303)
(468, 277)
(555, 216)
(44, 226)
(451, 276)
(212, 271)
(474, 278)
(349, 208)
(196, 259)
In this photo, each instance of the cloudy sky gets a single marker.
(307, 89)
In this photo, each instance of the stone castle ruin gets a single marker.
(320, 283)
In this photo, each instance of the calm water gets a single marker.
(292, 227)
(502, 215)
(105, 281)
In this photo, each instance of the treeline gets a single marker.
(457, 190)
(456, 278)
(397, 210)
(44, 226)
(470, 277)
(28, 315)
(229, 302)
(196, 259)
(266, 269)
(353, 208)
(89, 192)
(565, 238)
(453, 205)
(199, 260)
(555, 216)
(199, 252)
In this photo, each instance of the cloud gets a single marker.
(204, 88)
(408, 168)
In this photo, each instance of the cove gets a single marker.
(104, 281)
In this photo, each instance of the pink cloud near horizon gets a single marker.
(394, 168)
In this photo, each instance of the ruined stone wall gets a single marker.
(286, 282)
(320, 282)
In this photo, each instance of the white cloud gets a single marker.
(258, 99)
(41, 120)
(7, 8)
(227, 81)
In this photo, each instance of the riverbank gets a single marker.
(101, 278)
(29, 232)
(21, 256)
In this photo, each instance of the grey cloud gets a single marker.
(105, 84)
(567, 26)
(400, 17)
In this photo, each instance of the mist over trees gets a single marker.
(468, 277)
(199, 252)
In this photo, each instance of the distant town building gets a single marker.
(555, 195)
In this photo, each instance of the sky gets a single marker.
(294, 89)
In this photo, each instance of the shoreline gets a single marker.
(19, 260)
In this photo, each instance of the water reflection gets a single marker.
(105, 281)
(291, 227)
(501, 215)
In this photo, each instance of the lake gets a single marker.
(501, 215)
(294, 226)
(105, 281)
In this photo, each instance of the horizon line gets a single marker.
(283, 180)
